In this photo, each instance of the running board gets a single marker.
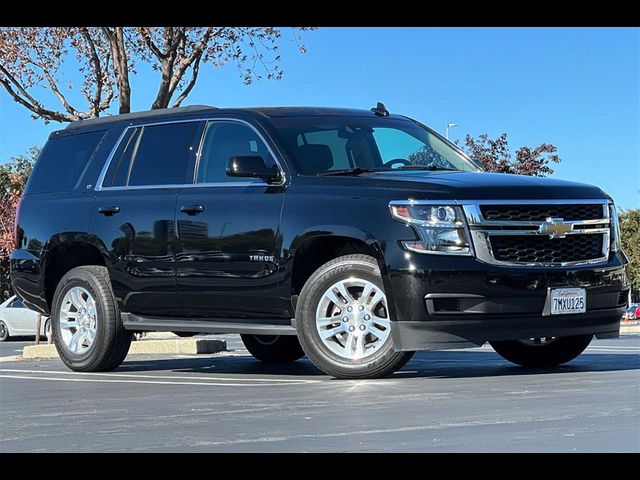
(131, 321)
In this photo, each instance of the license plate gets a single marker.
(568, 300)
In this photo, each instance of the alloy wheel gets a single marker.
(352, 318)
(78, 320)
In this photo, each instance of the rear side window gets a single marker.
(62, 161)
(152, 155)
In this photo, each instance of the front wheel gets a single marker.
(542, 352)
(343, 323)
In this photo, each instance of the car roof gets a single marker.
(265, 112)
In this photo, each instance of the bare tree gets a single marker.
(32, 57)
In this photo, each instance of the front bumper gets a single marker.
(486, 302)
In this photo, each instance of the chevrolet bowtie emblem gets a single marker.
(555, 228)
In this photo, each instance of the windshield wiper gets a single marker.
(425, 167)
(349, 171)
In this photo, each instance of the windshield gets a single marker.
(321, 145)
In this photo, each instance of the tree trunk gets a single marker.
(162, 99)
(124, 89)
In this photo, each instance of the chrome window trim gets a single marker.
(257, 183)
(480, 230)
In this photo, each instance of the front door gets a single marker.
(135, 215)
(228, 230)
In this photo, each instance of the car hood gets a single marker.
(481, 185)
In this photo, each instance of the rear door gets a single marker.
(135, 214)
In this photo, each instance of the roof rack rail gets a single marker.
(137, 115)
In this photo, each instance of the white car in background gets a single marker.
(16, 320)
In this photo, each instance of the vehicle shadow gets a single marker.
(436, 364)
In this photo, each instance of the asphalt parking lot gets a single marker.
(468, 400)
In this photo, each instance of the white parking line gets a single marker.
(108, 380)
(147, 379)
(604, 347)
(172, 377)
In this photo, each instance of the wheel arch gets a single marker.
(315, 247)
(64, 254)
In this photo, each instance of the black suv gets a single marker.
(355, 237)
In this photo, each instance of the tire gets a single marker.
(349, 353)
(273, 348)
(110, 342)
(185, 334)
(4, 332)
(556, 352)
(47, 327)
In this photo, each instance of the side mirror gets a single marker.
(252, 166)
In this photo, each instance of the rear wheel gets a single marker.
(185, 334)
(4, 332)
(343, 322)
(85, 321)
(47, 328)
(273, 348)
(542, 351)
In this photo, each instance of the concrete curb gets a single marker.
(629, 329)
(184, 346)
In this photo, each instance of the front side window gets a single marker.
(152, 155)
(223, 140)
(321, 145)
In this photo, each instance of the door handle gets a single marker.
(192, 209)
(109, 211)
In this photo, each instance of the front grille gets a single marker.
(540, 213)
(542, 249)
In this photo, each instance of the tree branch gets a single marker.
(185, 63)
(97, 71)
(146, 36)
(190, 85)
(115, 38)
(28, 101)
(61, 98)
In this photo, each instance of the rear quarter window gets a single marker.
(62, 161)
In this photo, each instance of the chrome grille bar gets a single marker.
(483, 230)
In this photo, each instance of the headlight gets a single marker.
(616, 238)
(441, 228)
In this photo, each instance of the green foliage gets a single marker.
(13, 178)
(630, 230)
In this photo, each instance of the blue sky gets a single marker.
(577, 88)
